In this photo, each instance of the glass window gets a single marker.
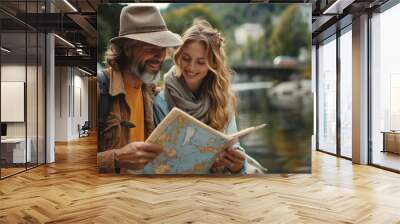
(22, 91)
(385, 88)
(15, 151)
(41, 99)
(346, 94)
(327, 96)
(314, 91)
(31, 96)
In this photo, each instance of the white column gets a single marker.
(360, 90)
(50, 93)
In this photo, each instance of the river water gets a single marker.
(284, 146)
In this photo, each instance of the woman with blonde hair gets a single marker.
(199, 84)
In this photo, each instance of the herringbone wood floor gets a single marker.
(70, 191)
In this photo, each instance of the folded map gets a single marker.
(190, 146)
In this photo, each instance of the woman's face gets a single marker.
(194, 65)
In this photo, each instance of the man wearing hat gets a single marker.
(127, 89)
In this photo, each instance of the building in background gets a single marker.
(247, 32)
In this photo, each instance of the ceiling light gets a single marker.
(65, 41)
(84, 71)
(80, 51)
(338, 6)
(5, 50)
(71, 6)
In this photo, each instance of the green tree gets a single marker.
(306, 70)
(179, 19)
(268, 26)
(290, 34)
(254, 51)
(107, 26)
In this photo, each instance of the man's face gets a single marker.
(148, 58)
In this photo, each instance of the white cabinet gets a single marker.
(17, 146)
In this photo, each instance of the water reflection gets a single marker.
(285, 145)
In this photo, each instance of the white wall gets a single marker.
(81, 83)
(61, 103)
(71, 94)
(13, 73)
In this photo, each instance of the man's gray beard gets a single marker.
(146, 77)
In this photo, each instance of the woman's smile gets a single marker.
(191, 74)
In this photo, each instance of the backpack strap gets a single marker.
(104, 82)
(103, 107)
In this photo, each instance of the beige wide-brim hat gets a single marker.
(145, 23)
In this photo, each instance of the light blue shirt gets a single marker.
(161, 109)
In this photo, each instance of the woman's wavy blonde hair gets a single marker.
(217, 82)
